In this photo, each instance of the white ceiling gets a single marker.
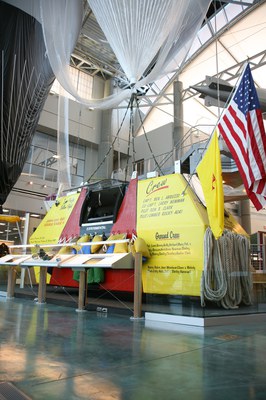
(223, 57)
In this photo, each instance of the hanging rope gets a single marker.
(147, 140)
(245, 268)
(132, 129)
(226, 277)
(112, 145)
(213, 285)
(230, 264)
(130, 134)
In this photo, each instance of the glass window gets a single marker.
(43, 164)
(139, 166)
(76, 150)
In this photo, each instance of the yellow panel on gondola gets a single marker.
(51, 227)
(172, 222)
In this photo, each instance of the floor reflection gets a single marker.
(53, 352)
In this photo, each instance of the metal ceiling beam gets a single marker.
(250, 7)
(237, 2)
(230, 73)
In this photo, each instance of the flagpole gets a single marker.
(232, 92)
(216, 57)
(215, 127)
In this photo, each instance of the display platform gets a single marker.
(80, 262)
(119, 261)
(53, 262)
(11, 259)
(205, 321)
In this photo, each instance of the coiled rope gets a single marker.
(213, 284)
(226, 278)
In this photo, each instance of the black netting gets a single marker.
(25, 80)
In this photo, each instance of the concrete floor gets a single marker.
(53, 352)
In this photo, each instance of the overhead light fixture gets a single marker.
(35, 215)
(5, 210)
(30, 183)
(2, 223)
(56, 156)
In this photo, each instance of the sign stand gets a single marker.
(137, 287)
(80, 262)
(82, 291)
(11, 279)
(42, 286)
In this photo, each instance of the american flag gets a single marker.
(241, 126)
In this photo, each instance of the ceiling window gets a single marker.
(82, 82)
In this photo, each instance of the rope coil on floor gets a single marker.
(213, 285)
(245, 265)
(230, 264)
(226, 278)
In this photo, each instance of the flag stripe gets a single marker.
(234, 123)
(260, 187)
(242, 128)
(256, 145)
(262, 144)
(255, 200)
(252, 154)
(235, 146)
(261, 128)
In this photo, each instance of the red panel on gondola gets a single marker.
(127, 214)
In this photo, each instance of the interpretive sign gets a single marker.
(51, 227)
(172, 222)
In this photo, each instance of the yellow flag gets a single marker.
(210, 174)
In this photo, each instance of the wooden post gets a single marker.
(82, 290)
(42, 285)
(24, 241)
(11, 279)
(138, 286)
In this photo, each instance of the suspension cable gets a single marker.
(130, 133)
(147, 140)
(111, 146)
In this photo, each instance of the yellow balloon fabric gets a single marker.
(141, 247)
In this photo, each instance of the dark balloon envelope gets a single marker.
(25, 81)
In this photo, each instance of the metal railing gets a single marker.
(257, 256)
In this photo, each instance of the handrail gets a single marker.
(17, 246)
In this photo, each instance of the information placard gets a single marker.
(172, 222)
(52, 225)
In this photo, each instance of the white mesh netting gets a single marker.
(152, 35)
